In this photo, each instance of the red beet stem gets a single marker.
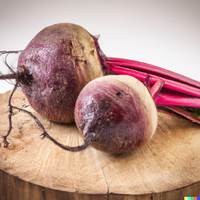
(164, 99)
(152, 69)
(169, 84)
(156, 88)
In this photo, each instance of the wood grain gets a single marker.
(13, 188)
(170, 161)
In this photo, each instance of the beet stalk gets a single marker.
(169, 84)
(152, 69)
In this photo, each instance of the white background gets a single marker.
(165, 33)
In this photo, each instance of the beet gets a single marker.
(58, 62)
(117, 112)
(64, 62)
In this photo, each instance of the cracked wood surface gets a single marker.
(168, 162)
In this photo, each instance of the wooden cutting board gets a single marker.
(170, 161)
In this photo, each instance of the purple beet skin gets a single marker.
(54, 67)
(114, 114)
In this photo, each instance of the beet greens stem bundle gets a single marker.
(178, 95)
(63, 58)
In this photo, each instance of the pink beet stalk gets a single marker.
(152, 69)
(164, 99)
(169, 84)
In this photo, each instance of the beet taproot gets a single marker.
(117, 112)
(54, 67)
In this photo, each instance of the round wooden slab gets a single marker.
(169, 161)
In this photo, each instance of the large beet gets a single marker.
(54, 67)
(118, 112)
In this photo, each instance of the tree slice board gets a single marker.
(13, 188)
(170, 160)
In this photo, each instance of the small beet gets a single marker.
(117, 112)
(58, 62)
